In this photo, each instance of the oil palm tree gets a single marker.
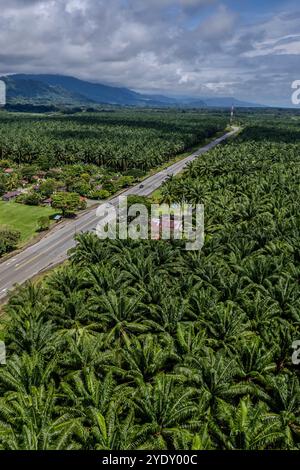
(166, 409)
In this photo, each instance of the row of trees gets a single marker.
(143, 345)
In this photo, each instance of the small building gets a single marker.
(158, 225)
(10, 196)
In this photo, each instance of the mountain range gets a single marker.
(65, 91)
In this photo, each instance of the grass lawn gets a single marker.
(23, 218)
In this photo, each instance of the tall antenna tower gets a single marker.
(232, 114)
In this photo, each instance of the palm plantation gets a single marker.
(143, 345)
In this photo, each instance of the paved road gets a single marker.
(53, 248)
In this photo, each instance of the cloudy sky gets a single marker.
(249, 49)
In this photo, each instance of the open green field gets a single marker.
(23, 218)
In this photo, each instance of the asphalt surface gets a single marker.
(53, 248)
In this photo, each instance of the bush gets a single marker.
(135, 173)
(30, 199)
(43, 224)
(110, 186)
(8, 239)
(134, 199)
(5, 163)
(2, 186)
(99, 194)
(79, 187)
(125, 181)
(48, 187)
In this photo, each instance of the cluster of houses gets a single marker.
(38, 178)
(12, 195)
(33, 183)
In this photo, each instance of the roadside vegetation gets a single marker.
(9, 239)
(143, 345)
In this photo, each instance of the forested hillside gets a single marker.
(65, 92)
(143, 345)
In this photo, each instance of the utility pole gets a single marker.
(231, 115)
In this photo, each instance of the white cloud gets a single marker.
(219, 25)
(146, 45)
(287, 44)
